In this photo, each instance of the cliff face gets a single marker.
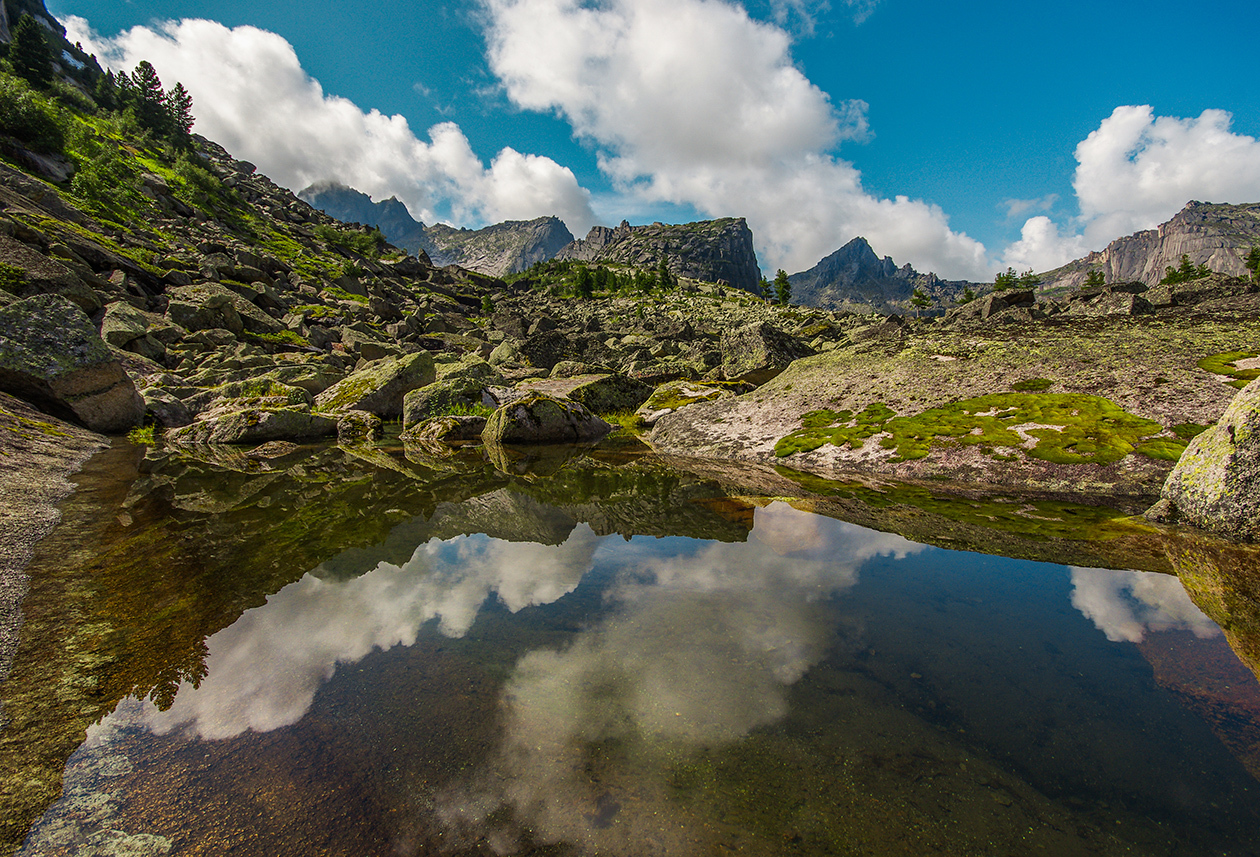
(855, 278)
(499, 249)
(712, 250)
(1217, 235)
(503, 248)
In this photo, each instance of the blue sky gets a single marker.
(947, 133)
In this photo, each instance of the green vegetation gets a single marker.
(1065, 428)
(32, 117)
(1252, 262)
(1008, 279)
(1095, 278)
(627, 421)
(11, 278)
(338, 293)
(1032, 385)
(782, 288)
(367, 243)
(919, 300)
(1184, 272)
(1188, 431)
(145, 436)
(967, 296)
(283, 337)
(1223, 364)
(29, 54)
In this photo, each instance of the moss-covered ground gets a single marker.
(1224, 364)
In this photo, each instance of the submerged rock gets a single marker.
(538, 418)
(446, 430)
(1216, 483)
(359, 427)
(51, 355)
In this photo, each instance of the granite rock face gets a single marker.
(1216, 235)
(717, 251)
(1216, 483)
(51, 355)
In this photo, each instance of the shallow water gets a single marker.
(341, 654)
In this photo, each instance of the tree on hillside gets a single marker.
(763, 288)
(920, 301)
(1252, 262)
(149, 99)
(664, 276)
(179, 109)
(1184, 272)
(782, 288)
(1095, 278)
(1005, 280)
(29, 53)
(585, 283)
(967, 296)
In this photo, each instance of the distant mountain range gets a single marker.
(855, 278)
(497, 250)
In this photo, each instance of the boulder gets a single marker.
(1216, 483)
(255, 425)
(29, 272)
(380, 387)
(446, 430)
(210, 305)
(669, 397)
(758, 352)
(359, 427)
(166, 410)
(1111, 303)
(599, 394)
(441, 398)
(52, 356)
(539, 418)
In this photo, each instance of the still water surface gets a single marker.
(375, 656)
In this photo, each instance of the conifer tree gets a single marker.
(782, 288)
(179, 109)
(150, 99)
(29, 53)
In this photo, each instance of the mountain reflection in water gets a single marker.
(510, 665)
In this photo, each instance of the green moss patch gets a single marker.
(1032, 385)
(1223, 364)
(1065, 429)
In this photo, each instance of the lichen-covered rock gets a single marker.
(358, 427)
(1216, 483)
(52, 356)
(255, 425)
(32, 273)
(445, 430)
(538, 418)
(209, 305)
(122, 324)
(441, 398)
(166, 409)
(599, 394)
(669, 397)
(380, 387)
(757, 352)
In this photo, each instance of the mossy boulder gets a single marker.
(25, 272)
(758, 352)
(600, 394)
(1216, 483)
(445, 430)
(441, 398)
(255, 425)
(380, 387)
(52, 356)
(669, 397)
(539, 418)
(359, 427)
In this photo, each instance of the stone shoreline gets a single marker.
(38, 455)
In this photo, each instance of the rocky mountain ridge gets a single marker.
(717, 251)
(855, 279)
(496, 250)
(1214, 234)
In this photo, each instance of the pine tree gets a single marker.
(150, 100)
(782, 288)
(179, 111)
(920, 301)
(1252, 262)
(1095, 278)
(29, 53)
(967, 296)
(763, 288)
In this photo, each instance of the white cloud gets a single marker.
(1136, 171)
(694, 102)
(1124, 605)
(1016, 207)
(252, 96)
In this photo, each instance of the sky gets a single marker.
(961, 137)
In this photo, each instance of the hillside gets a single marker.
(1216, 235)
(855, 279)
(719, 251)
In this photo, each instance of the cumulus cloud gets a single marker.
(1135, 171)
(1125, 605)
(694, 102)
(252, 96)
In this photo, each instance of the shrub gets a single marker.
(30, 117)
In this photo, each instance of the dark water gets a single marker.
(362, 655)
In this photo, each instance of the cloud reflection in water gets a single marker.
(1124, 605)
(700, 649)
